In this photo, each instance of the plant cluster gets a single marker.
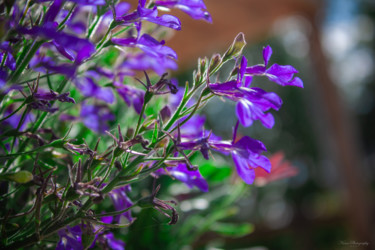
(87, 110)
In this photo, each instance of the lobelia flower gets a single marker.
(280, 74)
(131, 95)
(121, 201)
(246, 153)
(150, 15)
(190, 177)
(65, 42)
(95, 117)
(143, 61)
(194, 8)
(252, 103)
(89, 88)
(70, 238)
(156, 56)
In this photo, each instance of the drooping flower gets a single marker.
(194, 8)
(151, 15)
(246, 153)
(252, 103)
(190, 177)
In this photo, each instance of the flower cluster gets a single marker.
(74, 68)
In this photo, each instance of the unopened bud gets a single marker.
(215, 62)
(236, 48)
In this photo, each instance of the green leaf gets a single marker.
(232, 229)
(215, 173)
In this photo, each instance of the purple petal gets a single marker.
(246, 173)
(267, 52)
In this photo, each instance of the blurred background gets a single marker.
(326, 131)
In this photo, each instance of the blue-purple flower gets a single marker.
(151, 15)
(190, 177)
(121, 201)
(70, 238)
(155, 56)
(131, 95)
(252, 103)
(280, 74)
(194, 8)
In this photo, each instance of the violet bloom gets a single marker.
(280, 74)
(190, 177)
(144, 61)
(194, 8)
(96, 117)
(70, 238)
(82, 47)
(156, 56)
(121, 201)
(150, 15)
(131, 95)
(88, 87)
(6, 50)
(252, 103)
(246, 153)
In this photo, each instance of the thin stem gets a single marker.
(115, 212)
(18, 109)
(33, 79)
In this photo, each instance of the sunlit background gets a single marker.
(326, 130)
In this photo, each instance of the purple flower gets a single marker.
(131, 95)
(5, 50)
(194, 8)
(89, 88)
(146, 62)
(156, 56)
(246, 155)
(96, 117)
(280, 74)
(108, 239)
(70, 238)
(121, 201)
(14, 120)
(82, 47)
(148, 44)
(190, 177)
(252, 103)
(150, 15)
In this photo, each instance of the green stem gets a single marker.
(35, 78)
(18, 109)
(16, 74)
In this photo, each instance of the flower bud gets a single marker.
(22, 176)
(215, 61)
(236, 48)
